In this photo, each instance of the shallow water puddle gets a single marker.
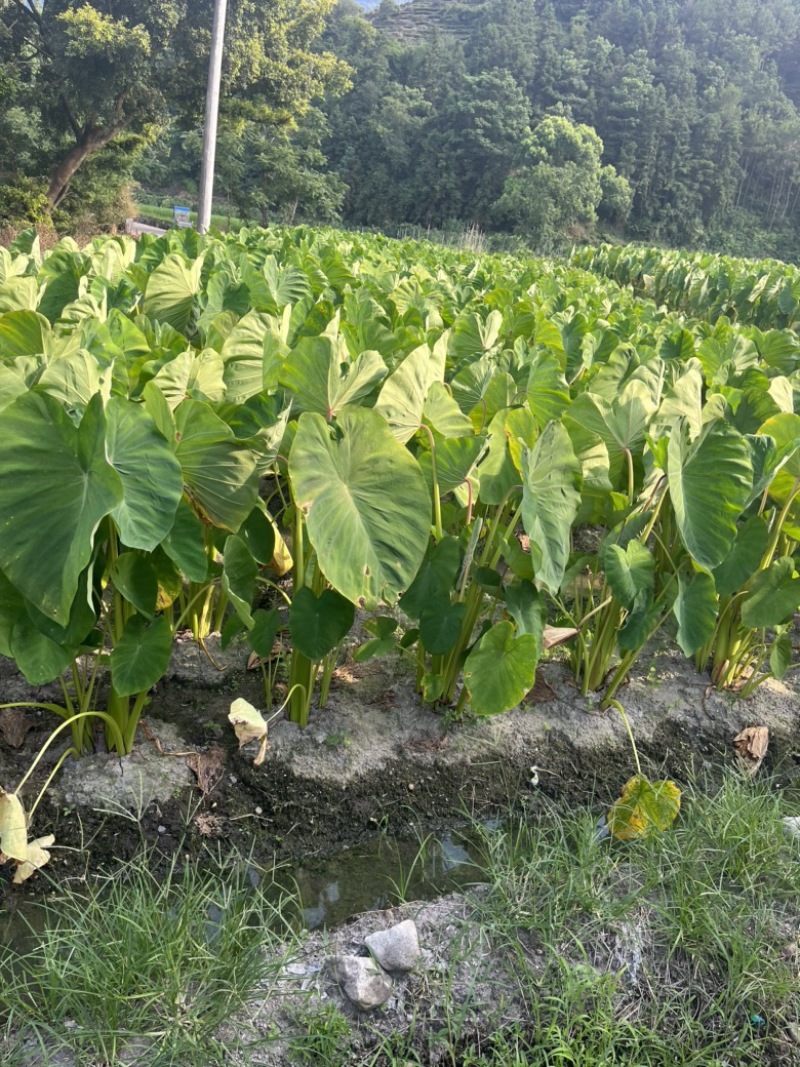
(370, 877)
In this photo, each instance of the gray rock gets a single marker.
(362, 980)
(396, 949)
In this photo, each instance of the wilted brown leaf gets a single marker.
(14, 726)
(249, 725)
(557, 635)
(208, 825)
(207, 767)
(751, 747)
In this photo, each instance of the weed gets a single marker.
(140, 962)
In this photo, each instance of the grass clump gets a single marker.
(143, 968)
(674, 950)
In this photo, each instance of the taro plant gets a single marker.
(100, 527)
(757, 584)
(361, 518)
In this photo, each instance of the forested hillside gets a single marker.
(696, 104)
(673, 121)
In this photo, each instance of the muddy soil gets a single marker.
(373, 761)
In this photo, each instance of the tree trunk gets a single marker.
(63, 172)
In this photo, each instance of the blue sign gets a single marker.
(180, 216)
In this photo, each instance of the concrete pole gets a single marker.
(212, 113)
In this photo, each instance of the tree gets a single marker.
(561, 183)
(101, 69)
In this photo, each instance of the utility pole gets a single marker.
(212, 113)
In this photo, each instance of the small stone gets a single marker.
(258, 811)
(362, 980)
(791, 826)
(396, 949)
(162, 829)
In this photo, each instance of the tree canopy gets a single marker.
(89, 73)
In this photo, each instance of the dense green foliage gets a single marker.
(696, 105)
(763, 292)
(502, 445)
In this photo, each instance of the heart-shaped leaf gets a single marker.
(643, 807)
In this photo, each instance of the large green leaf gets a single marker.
(620, 424)
(152, 484)
(135, 577)
(219, 473)
(440, 626)
(318, 623)
(784, 429)
(74, 379)
(239, 572)
(171, 291)
(773, 597)
(185, 544)
(367, 506)
(258, 534)
(709, 483)
(56, 487)
(435, 579)
(744, 557)
(527, 608)
(142, 655)
(24, 333)
(629, 571)
(500, 669)
(455, 461)
(547, 392)
(695, 608)
(253, 350)
(402, 397)
(192, 374)
(321, 376)
(550, 501)
(442, 413)
(19, 294)
(510, 431)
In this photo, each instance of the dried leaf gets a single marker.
(249, 725)
(14, 726)
(254, 661)
(207, 767)
(643, 807)
(13, 827)
(29, 856)
(751, 747)
(557, 635)
(208, 825)
(38, 856)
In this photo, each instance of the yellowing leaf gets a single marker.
(13, 827)
(249, 725)
(643, 807)
(37, 857)
(281, 556)
(14, 844)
